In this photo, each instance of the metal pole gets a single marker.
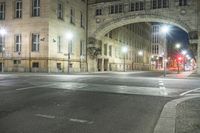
(124, 62)
(164, 67)
(68, 63)
(2, 61)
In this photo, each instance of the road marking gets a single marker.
(45, 116)
(31, 87)
(184, 93)
(81, 121)
(163, 90)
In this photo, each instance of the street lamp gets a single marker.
(81, 59)
(69, 37)
(124, 50)
(140, 53)
(178, 46)
(165, 29)
(3, 32)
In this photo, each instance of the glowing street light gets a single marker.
(178, 46)
(124, 50)
(140, 53)
(69, 37)
(184, 52)
(165, 29)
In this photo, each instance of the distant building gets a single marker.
(137, 38)
(158, 47)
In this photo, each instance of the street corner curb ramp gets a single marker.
(167, 120)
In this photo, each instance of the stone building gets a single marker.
(43, 35)
(136, 38)
(158, 47)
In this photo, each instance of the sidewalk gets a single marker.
(188, 116)
(180, 75)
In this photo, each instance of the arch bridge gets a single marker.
(106, 15)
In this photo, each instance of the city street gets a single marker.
(115, 102)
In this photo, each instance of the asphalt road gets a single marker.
(87, 103)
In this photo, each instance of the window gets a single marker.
(156, 4)
(35, 42)
(105, 49)
(60, 10)
(72, 15)
(18, 43)
(35, 65)
(110, 51)
(59, 44)
(132, 7)
(58, 66)
(137, 6)
(82, 20)
(118, 8)
(18, 9)
(16, 62)
(36, 8)
(70, 47)
(2, 11)
(98, 12)
(183, 3)
(82, 47)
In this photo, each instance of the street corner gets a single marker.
(171, 116)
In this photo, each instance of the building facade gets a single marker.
(37, 35)
(158, 47)
(136, 38)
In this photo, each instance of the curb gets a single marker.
(167, 120)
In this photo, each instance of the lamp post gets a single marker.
(140, 53)
(3, 32)
(184, 52)
(69, 37)
(81, 59)
(124, 50)
(164, 30)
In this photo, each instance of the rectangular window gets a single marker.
(105, 49)
(2, 10)
(72, 15)
(35, 8)
(132, 7)
(120, 8)
(59, 66)
(110, 51)
(82, 21)
(137, 6)
(60, 10)
(183, 3)
(18, 43)
(159, 3)
(98, 12)
(141, 5)
(35, 42)
(59, 44)
(35, 65)
(16, 62)
(154, 4)
(112, 9)
(70, 47)
(82, 47)
(18, 9)
(165, 3)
